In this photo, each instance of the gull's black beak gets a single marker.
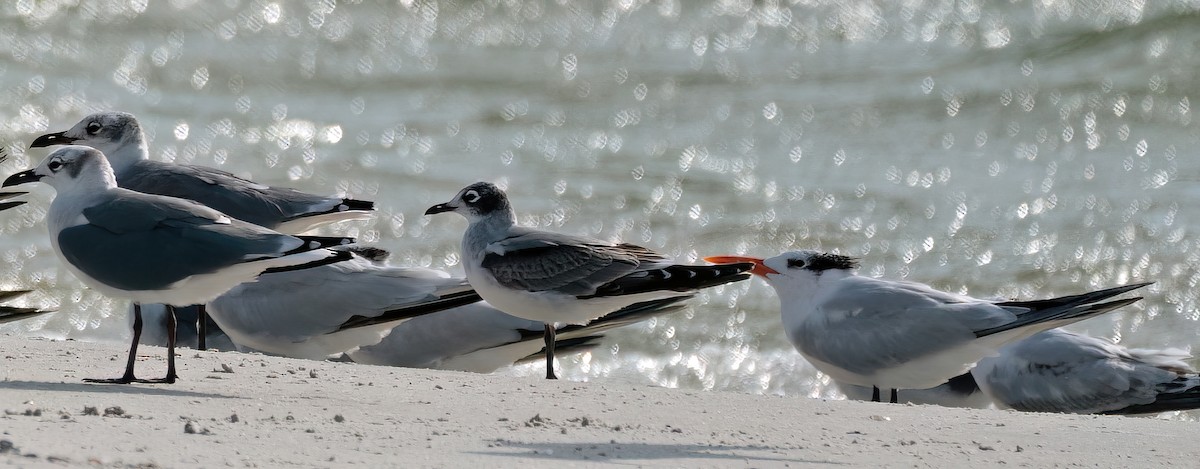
(439, 208)
(22, 177)
(52, 139)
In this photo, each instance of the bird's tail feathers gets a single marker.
(566, 347)
(1058, 316)
(334, 257)
(360, 205)
(444, 301)
(1074, 300)
(8, 295)
(13, 313)
(312, 243)
(631, 314)
(680, 278)
(1181, 394)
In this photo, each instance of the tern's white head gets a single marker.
(479, 201)
(795, 272)
(69, 169)
(116, 134)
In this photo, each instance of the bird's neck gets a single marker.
(799, 299)
(484, 231)
(127, 154)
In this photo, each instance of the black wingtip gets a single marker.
(317, 242)
(361, 205)
(1168, 401)
(8, 295)
(455, 300)
(334, 257)
(12, 313)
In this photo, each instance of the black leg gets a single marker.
(874, 394)
(549, 337)
(895, 396)
(137, 336)
(172, 327)
(201, 328)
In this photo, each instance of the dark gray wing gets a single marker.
(540, 261)
(239, 198)
(138, 242)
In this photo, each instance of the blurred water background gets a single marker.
(1011, 148)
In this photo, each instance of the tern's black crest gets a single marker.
(484, 198)
(825, 261)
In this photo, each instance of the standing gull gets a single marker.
(551, 277)
(902, 335)
(119, 136)
(151, 248)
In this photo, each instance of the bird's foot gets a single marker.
(164, 380)
(122, 380)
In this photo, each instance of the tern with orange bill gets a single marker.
(891, 334)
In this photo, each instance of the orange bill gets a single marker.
(759, 269)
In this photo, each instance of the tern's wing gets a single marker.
(1058, 371)
(283, 310)
(864, 325)
(434, 340)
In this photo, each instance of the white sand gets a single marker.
(287, 415)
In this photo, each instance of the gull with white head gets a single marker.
(119, 136)
(156, 249)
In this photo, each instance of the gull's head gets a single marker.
(116, 134)
(795, 268)
(477, 201)
(68, 167)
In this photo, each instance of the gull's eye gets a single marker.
(93, 128)
(796, 263)
(471, 197)
(54, 166)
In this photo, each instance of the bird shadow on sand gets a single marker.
(613, 452)
(149, 390)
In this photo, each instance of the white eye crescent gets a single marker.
(471, 197)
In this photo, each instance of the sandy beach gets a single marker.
(242, 410)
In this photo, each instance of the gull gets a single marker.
(155, 249)
(348, 306)
(551, 277)
(481, 339)
(894, 335)
(1065, 372)
(329, 309)
(17, 313)
(119, 136)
